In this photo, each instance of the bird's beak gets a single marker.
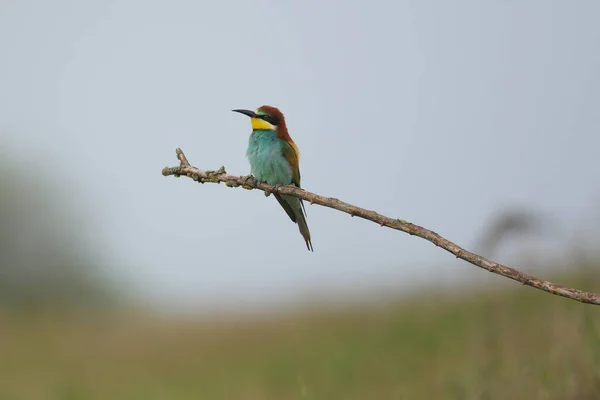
(249, 113)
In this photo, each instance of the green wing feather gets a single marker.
(292, 155)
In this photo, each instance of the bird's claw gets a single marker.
(248, 181)
(275, 189)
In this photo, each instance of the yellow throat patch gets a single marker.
(261, 124)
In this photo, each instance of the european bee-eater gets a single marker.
(274, 160)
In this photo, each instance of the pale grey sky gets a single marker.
(437, 112)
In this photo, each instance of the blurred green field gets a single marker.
(515, 343)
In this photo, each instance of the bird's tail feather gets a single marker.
(298, 208)
(303, 227)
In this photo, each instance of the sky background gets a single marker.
(440, 113)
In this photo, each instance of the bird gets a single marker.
(274, 159)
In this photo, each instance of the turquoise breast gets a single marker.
(267, 162)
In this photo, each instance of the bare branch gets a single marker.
(249, 183)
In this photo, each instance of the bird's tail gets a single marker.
(300, 214)
(303, 228)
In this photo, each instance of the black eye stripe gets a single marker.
(270, 119)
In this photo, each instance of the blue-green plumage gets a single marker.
(267, 162)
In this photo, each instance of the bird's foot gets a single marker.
(248, 181)
(275, 189)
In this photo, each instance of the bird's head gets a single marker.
(265, 118)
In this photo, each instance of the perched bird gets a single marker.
(274, 160)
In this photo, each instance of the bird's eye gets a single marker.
(270, 119)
